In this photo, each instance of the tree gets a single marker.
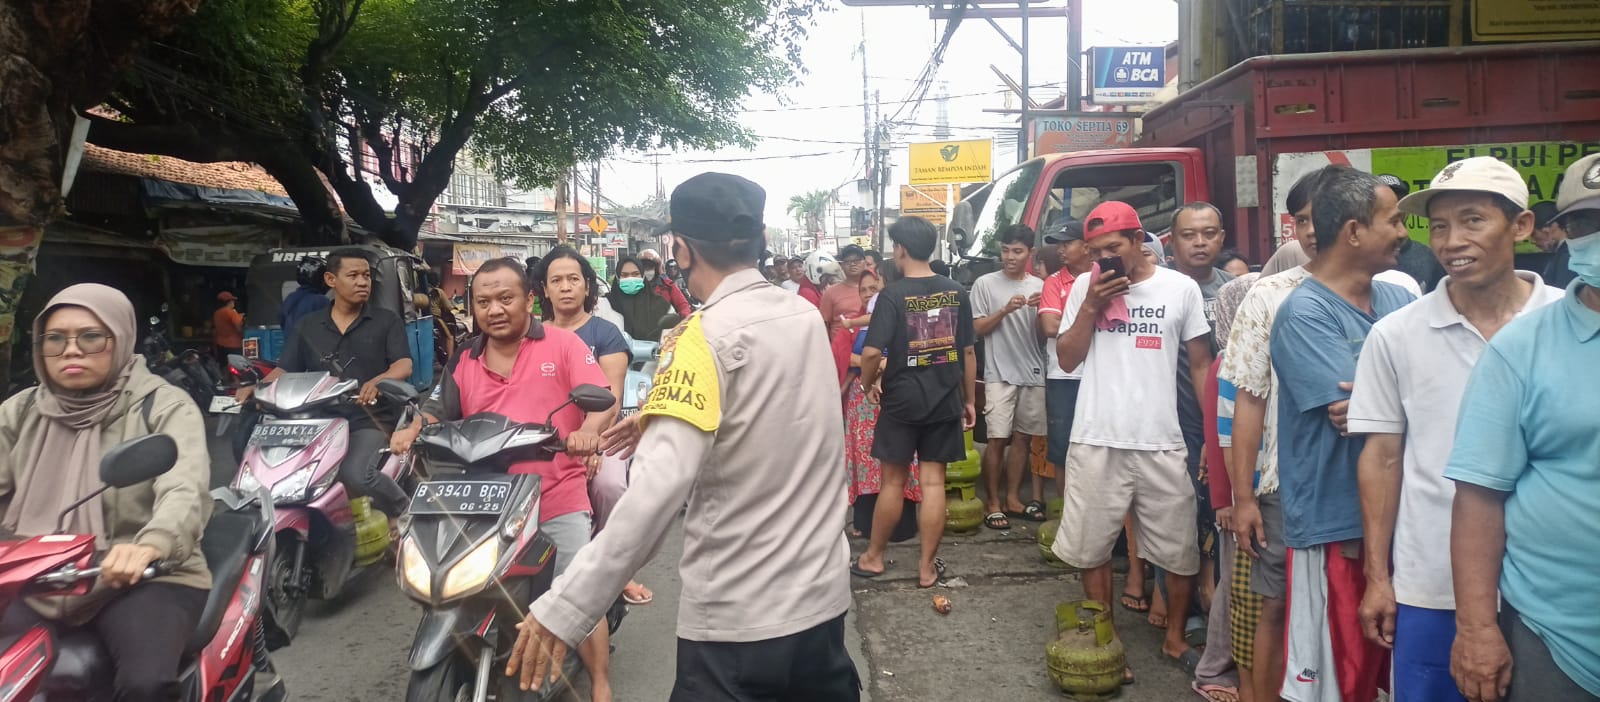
(534, 85)
(56, 57)
(810, 211)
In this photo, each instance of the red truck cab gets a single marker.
(1239, 139)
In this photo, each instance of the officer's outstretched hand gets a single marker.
(621, 439)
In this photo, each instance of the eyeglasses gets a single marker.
(89, 343)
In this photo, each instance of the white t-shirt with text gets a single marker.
(1129, 395)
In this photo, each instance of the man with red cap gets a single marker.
(1125, 321)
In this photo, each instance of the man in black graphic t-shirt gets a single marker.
(921, 334)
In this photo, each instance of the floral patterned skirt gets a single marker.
(860, 418)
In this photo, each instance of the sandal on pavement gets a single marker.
(639, 596)
(1215, 693)
(939, 571)
(1188, 660)
(856, 570)
(997, 521)
(1034, 511)
(1140, 603)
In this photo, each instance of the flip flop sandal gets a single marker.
(639, 601)
(997, 521)
(856, 570)
(1213, 693)
(1034, 511)
(939, 571)
(1140, 600)
(1188, 660)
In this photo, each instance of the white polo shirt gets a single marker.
(1410, 378)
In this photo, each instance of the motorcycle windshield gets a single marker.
(294, 392)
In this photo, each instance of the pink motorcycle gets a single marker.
(324, 538)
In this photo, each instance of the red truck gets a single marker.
(1240, 139)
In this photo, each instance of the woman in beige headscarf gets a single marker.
(95, 393)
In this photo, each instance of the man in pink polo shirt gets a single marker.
(524, 369)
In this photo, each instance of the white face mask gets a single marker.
(649, 276)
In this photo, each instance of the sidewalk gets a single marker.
(992, 644)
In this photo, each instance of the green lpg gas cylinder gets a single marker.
(1086, 659)
(962, 515)
(1047, 537)
(372, 531)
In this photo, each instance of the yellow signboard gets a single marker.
(930, 202)
(951, 162)
(1535, 20)
(598, 224)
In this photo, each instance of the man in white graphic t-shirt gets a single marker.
(1127, 448)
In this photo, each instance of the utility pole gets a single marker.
(561, 209)
(881, 184)
(1074, 55)
(1022, 133)
(866, 104)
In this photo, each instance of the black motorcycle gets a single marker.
(474, 556)
(194, 372)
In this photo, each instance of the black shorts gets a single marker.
(809, 666)
(898, 442)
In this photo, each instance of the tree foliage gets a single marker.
(810, 210)
(533, 85)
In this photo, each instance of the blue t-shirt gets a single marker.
(603, 338)
(1530, 425)
(1315, 342)
(301, 302)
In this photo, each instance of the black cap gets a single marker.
(1543, 213)
(850, 251)
(718, 207)
(1064, 231)
(1400, 187)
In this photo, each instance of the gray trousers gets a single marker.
(1535, 677)
(1216, 664)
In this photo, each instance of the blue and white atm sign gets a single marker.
(1127, 74)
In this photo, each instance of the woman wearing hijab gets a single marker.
(95, 393)
(641, 309)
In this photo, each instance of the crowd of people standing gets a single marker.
(1284, 449)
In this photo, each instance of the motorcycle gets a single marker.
(641, 373)
(190, 370)
(474, 556)
(226, 651)
(324, 538)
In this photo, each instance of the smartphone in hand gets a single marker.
(1111, 266)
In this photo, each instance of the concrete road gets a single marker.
(991, 646)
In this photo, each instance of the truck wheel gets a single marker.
(446, 681)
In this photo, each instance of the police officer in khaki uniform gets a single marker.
(744, 423)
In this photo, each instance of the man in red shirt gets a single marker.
(524, 369)
(844, 298)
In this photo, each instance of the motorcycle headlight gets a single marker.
(473, 571)
(414, 571)
(247, 483)
(292, 489)
(322, 484)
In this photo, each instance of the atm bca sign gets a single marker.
(1124, 75)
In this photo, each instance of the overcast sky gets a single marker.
(812, 133)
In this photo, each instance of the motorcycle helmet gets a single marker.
(820, 264)
(309, 272)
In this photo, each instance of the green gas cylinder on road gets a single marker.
(1086, 658)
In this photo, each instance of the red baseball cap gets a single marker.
(1109, 217)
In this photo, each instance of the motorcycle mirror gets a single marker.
(959, 237)
(396, 391)
(128, 464)
(670, 320)
(592, 398)
(133, 462)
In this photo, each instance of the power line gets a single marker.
(746, 158)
